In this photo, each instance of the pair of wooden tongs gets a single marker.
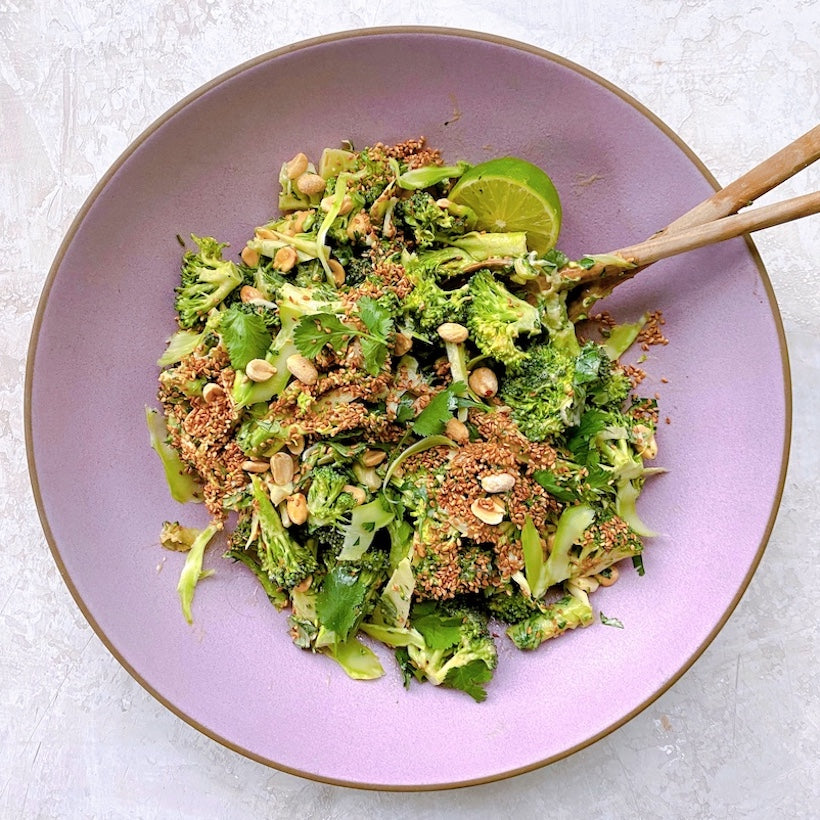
(713, 220)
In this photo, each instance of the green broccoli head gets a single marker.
(429, 305)
(329, 542)
(497, 318)
(458, 652)
(286, 561)
(206, 279)
(566, 613)
(427, 221)
(603, 544)
(357, 270)
(327, 500)
(243, 548)
(509, 604)
(543, 392)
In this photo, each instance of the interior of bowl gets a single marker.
(210, 167)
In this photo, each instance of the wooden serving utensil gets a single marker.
(713, 220)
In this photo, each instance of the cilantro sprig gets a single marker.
(316, 331)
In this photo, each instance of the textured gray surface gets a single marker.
(737, 736)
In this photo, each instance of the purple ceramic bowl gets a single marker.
(209, 166)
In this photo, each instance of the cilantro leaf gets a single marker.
(340, 600)
(245, 336)
(375, 354)
(438, 630)
(611, 621)
(433, 419)
(470, 679)
(550, 482)
(319, 329)
(377, 319)
(404, 410)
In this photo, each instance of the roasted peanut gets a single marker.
(302, 369)
(247, 293)
(282, 468)
(488, 509)
(296, 505)
(212, 392)
(483, 382)
(338, 272)
(297, 166)
(453, 332)
(358, 226)
(249, 256)
(609, 578)
(255, 465)
(304, 586)
(345, 208)
(402, 344)
(372, 458)
(498, 483)
(358, 493)
(285, 258)
(310, 184)
(259, 370)
(457, 431)
(297, 222)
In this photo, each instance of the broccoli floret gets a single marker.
(612, 445)
(429, 175)
(177, 385)
(465, 253)
(309, 274)
(327, 501)
(183, 483)
(543, 572)
(206, 279)
(241, 549)
(429, 305)
(510, 605)
(267, 311)
(496, 319)
(286, 561)
(357, 270)
(428, 222)
(612, 441)
(458, 651)
(329, 543)
(603, 544)
(611, 389)
(543, 392)
(566, 613)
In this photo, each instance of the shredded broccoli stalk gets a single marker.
(192, 572)
(183, 485)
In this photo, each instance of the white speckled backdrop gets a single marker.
(737, 736)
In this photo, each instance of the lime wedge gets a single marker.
(511, 194)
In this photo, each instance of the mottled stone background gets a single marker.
(738, 735)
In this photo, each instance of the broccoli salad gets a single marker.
(398, 426)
